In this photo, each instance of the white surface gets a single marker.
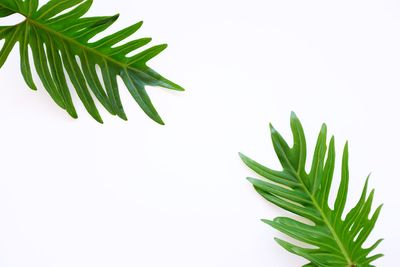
(76, 193)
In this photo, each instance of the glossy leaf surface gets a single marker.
(59, 38)
(334, 239)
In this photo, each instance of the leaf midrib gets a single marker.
(69, 39)
(324, 217)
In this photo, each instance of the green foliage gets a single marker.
(334, 239)
(58, 34)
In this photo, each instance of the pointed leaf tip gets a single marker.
(269, 222)
(294, 120)
(158, 120)
(332, 140)
(272, 128)
(99, 120)
(324, 128)
(253, 181)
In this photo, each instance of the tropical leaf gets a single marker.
(59, 37)
(331, 238)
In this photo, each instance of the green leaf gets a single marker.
(333, 241)
(59, 37)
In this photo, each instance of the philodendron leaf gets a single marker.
(335, 239)
(59, 34)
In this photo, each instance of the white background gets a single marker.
(77, 193)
